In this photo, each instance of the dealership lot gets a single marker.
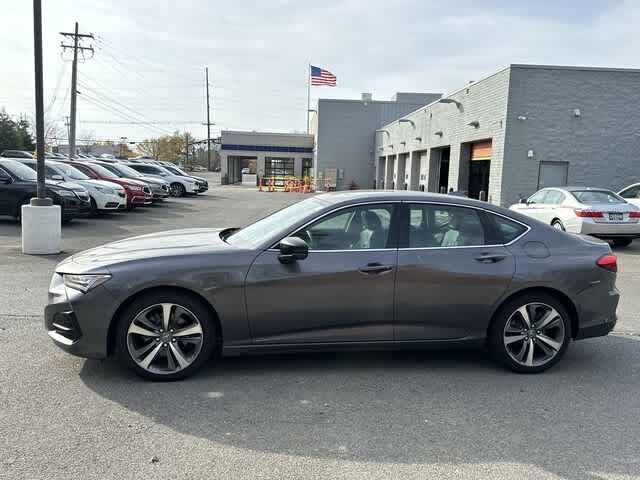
(374, 415)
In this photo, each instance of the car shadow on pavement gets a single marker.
(579, 420)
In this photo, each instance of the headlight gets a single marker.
(65, 193)
(84, 283)
(105, 190)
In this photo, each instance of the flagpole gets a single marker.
(308, 94)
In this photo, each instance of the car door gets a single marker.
(451, 272)
(7, 193)
(552, 206)
(536, 205)
(342, 291)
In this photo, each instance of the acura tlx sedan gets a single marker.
(357, 270)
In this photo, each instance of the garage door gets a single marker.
(481, 150)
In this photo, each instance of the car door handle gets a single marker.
(490, 257)
(374, 268)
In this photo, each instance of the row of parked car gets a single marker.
(590, 211)
(86, 185)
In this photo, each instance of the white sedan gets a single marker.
(631, 194)
(104, 196)
(591, 211)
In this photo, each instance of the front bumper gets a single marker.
(201, 187)
(79, 322)
(107, 201)
(160, 192)
(74, 207)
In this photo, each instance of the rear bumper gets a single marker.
(609, 230)
(596, 311)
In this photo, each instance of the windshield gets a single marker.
(122, 170)
(19, 170)
(70, 171)
(597, 197)
(176, 171)
(254, 235)
(103, 172)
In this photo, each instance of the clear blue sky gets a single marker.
(150, 56)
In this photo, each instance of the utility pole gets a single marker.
(41, 199)
(208, 124)
(74, 80)
(40, 219)
(186, 149)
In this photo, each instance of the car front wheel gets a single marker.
(165, 336)
(177, 190)
(529, 334)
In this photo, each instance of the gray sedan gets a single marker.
(337, 271)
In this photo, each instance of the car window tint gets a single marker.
(538, 197)
(596, 197)
(554, 197)
(50, 172)
(84, 170)
(633, 192)
(361, 227)
(444, 226)
(507, 230)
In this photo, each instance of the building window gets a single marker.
(274, 166)
(306, 167)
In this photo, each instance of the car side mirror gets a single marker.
(57, 177)
(293, 249)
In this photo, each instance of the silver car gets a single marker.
(338, 271)
(591, 211)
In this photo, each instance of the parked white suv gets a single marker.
(179, 185)
(104, 196)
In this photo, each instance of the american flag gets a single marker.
(320, 76)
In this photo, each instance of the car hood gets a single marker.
(200, 179)
(154, 180)
(145, 247)
(62, 184)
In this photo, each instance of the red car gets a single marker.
(138, 193)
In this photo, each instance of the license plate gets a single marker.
(616, 217)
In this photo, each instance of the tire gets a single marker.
(508, 324)
(94, 208)
(148, 309)
(177, 190)
(557, 224)
(621, 242)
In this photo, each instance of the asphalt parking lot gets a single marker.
(444, 414)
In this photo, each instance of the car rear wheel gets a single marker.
(557, 224)
(530, 333)
(177, 190)
(165, 336)
(621, 242)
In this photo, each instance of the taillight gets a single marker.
(588, 213)
(608, 262)
(634, 214)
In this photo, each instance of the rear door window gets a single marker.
(433, 225)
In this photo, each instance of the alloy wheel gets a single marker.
(164, 338)
(534, 334)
